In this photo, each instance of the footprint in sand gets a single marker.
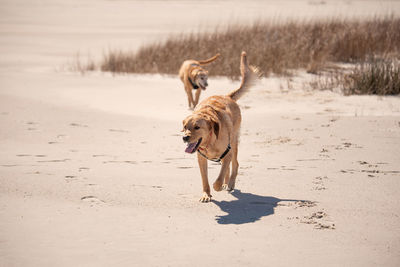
(319, 183)
(305, 204)
(120, 161)
(92, 200)
(70, 178)
(78, 125)
(31, 123)
(118, 130)
(83, 169)
(54, 160)
(346, 145)
(10, 165)
(319, 219)
(23, 155)
(334, 119)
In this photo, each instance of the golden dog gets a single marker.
(213, 131)
(194, 77)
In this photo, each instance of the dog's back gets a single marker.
(187, 64)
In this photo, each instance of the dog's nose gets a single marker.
(186, 138)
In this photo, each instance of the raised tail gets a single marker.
(204, 62)
(250, 75)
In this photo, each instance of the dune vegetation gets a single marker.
(280, 48)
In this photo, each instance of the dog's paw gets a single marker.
(231, 185)
(217, 186)
(226, 187)
(205, 198)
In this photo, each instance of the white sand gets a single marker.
(93, 170)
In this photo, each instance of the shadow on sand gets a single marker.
(247, 208)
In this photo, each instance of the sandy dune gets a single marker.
(93, 170)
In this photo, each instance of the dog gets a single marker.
(194, 77)
(213, 131)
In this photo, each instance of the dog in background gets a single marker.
(194, 77)
(213, 131)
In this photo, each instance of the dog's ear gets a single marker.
(184, 122)
(215, 126)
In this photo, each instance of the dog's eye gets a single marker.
(196, 127)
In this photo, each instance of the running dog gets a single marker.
(194, 77)
(213, 131)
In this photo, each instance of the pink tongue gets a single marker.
(190, 148)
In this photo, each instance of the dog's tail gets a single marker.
(204, 62)
(250, 75)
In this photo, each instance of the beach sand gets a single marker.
(93, 170)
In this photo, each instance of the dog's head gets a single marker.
(200, 77)
(198, 128)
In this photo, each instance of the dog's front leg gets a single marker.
(197, 97)
(222, 174)
(204, 178)
(188, 89)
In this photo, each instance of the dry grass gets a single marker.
(276, 48)
(375, 76)
(80, 65)
(280, 48)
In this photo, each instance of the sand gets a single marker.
(93, 170)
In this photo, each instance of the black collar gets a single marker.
(195, 86)
(221, 157)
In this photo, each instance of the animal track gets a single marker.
(54, 160)
(319, 182)
(78, 125)
(318, 219)
(283, 168)
(279, 140)
(92, 200)
(346, 145)
(372, 169)
(120, 161)
(118, 130)
(160, 188)
(305, 203)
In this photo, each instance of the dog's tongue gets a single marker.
(190, 148)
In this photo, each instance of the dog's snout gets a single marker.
(186, 138)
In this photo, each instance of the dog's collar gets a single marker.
(217, 159)
(195, 86)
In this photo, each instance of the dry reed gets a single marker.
(273, 47)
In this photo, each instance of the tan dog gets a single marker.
(213, 131)
(194, 77)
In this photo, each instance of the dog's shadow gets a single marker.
(247, 208)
